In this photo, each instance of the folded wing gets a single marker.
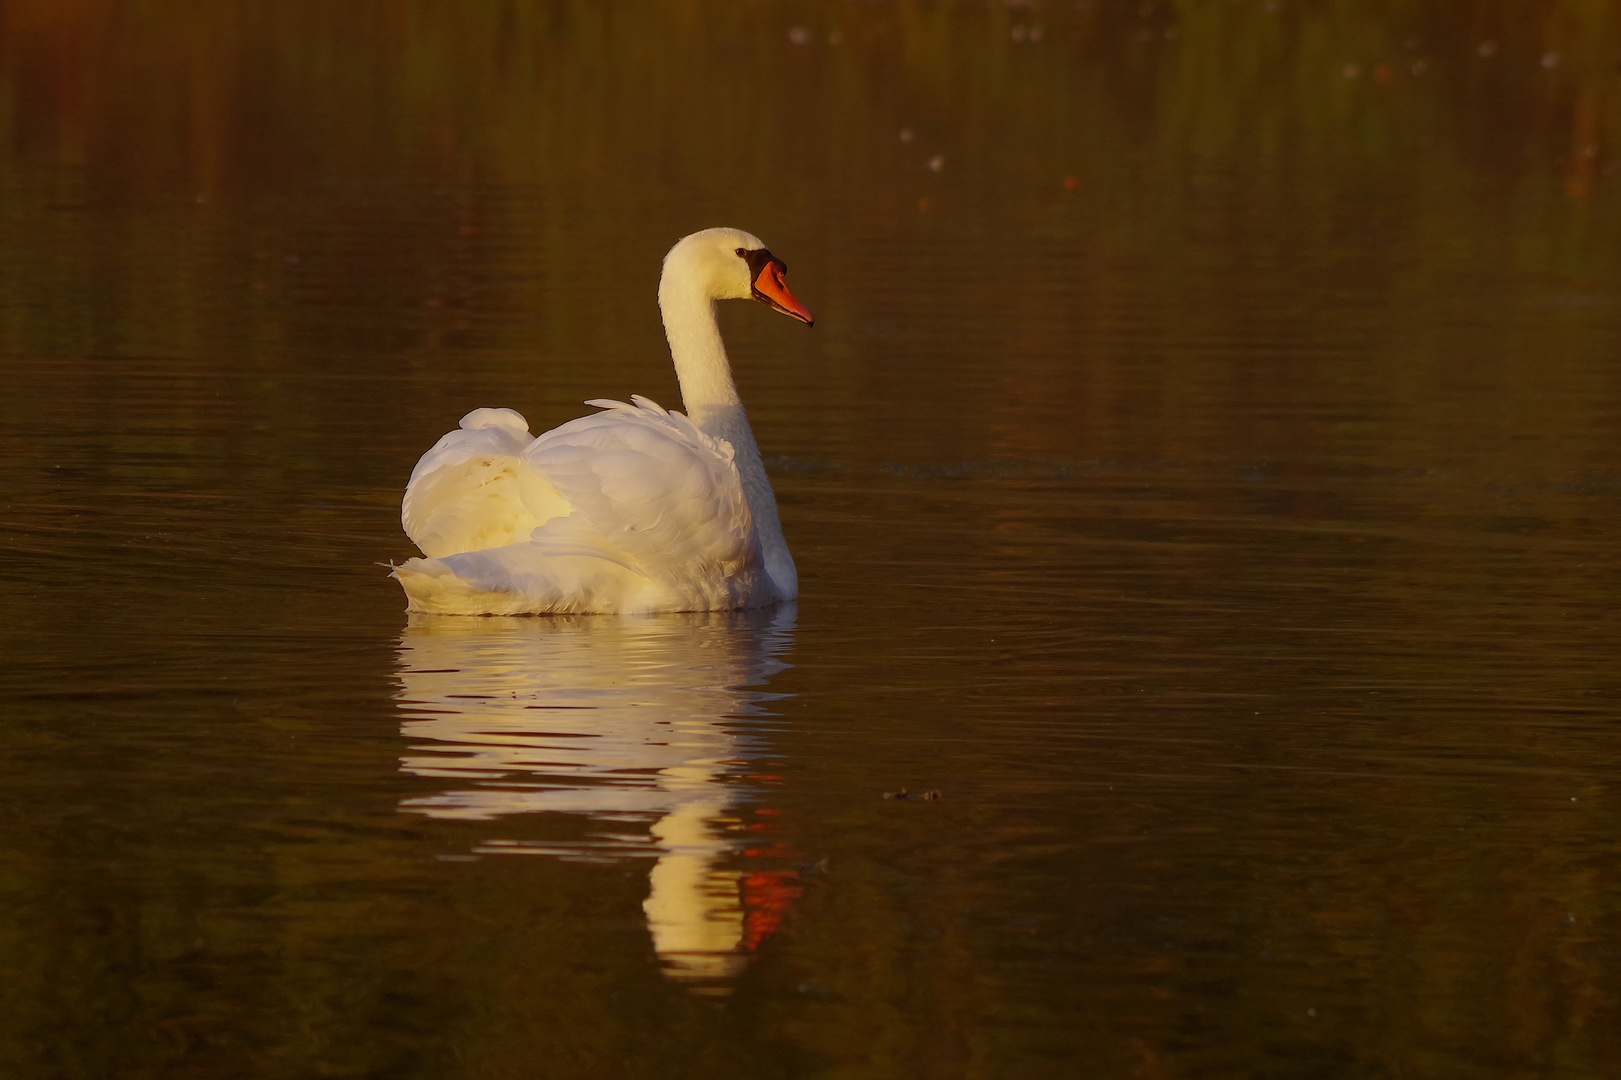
(630, 509)
(474, 490)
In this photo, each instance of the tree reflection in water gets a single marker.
(620, 720)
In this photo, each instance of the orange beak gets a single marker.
(772, 291)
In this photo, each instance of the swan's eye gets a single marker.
(741, 254)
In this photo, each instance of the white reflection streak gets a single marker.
(616, 718)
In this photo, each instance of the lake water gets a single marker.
(1204, 474)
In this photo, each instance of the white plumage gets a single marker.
(632, 509)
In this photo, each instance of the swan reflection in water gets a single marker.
(623, 720)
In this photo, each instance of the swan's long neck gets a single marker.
(710, 396)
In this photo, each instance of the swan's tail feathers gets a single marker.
(432, 587)
(526, 579)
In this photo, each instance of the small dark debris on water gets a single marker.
(927, 796)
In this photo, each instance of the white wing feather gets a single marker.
(646, 512)
(473, 491)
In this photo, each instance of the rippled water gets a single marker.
(1204, 475)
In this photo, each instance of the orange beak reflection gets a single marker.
(771, 290)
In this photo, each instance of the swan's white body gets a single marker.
(633, 509)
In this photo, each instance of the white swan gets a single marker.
(630, 510)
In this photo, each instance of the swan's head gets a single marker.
(730, 264)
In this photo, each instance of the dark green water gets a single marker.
(1205, 472)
